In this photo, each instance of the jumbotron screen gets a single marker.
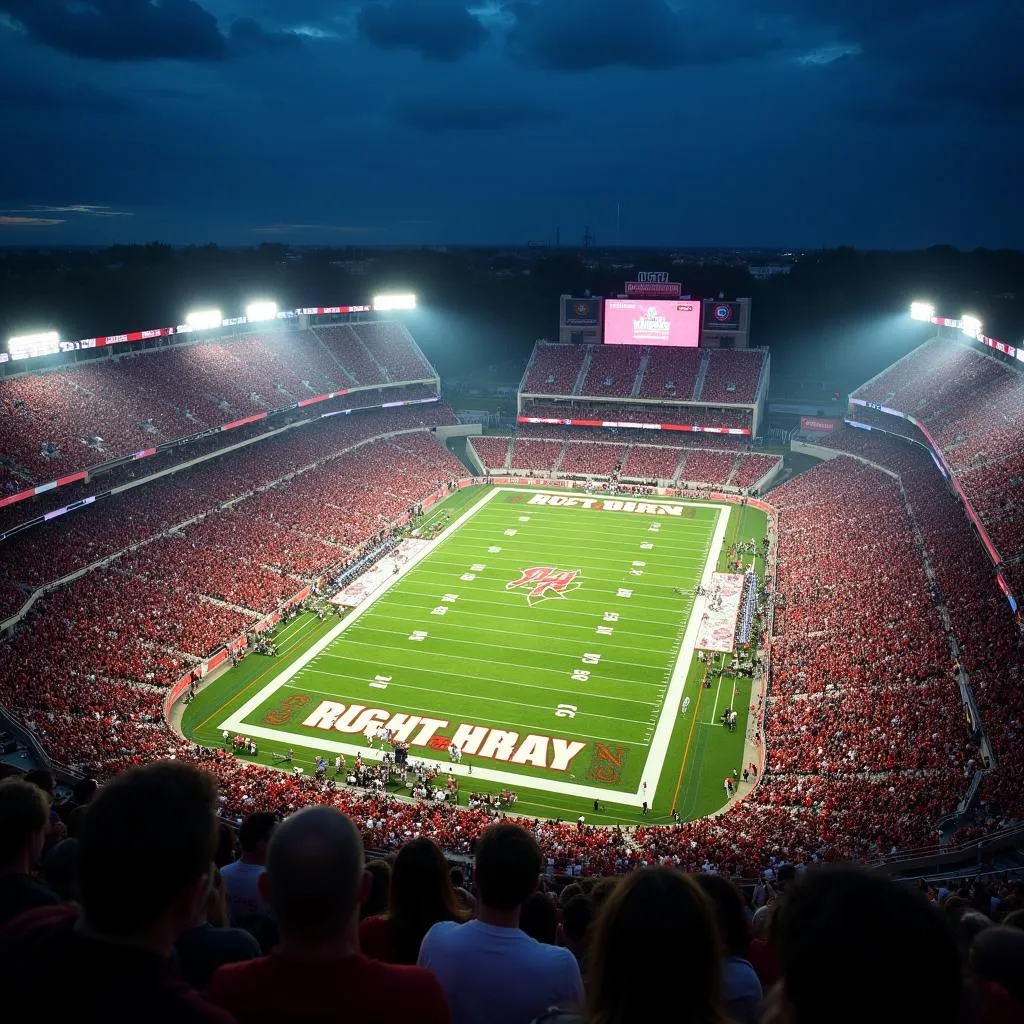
(671, 322)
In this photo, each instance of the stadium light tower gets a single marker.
(970, 325)
(204, 319)
(923, 311)
(390, 303)
(258, 311)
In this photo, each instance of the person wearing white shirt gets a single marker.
(490, 970)
(241, 877)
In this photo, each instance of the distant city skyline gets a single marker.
(881, 124)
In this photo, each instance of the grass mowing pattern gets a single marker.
(496, 659)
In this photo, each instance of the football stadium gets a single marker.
(629, 617)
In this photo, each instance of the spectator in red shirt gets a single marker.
(421, 895)
(315, 882)
(144, 870)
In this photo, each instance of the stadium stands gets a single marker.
(729, 376)
(732, 375)
(867, 745)
(671, 374)
(651, 462)
(972, 404)
(993, 649)
(493, 451)
(711, 467)
(752, 468)
(65, 545)
(612, 372)
(58, 421)
(553, 369)
(394, 351)
(864, 754)
(535, 456)
(589, 458)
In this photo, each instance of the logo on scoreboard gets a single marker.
(652, 325)
(542, 582)
(581, 312)
(722, 316)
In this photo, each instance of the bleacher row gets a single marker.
(626, 461)
(991, 645)
(56, 422)
(284, 523)
(972, 404)
(622, 371)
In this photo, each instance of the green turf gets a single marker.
(500, 660)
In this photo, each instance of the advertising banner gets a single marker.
(822, 426)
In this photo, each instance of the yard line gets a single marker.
(575, 656)
(504, 594)
(589, 573)
(624, 641)
(385, 660)
(489, 679)
(467, 608)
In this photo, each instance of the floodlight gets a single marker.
(27, 346)
(203, 319)
(970, 325)
(257, 311)
(388, 303)
(923, 311)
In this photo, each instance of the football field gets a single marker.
(548, 634)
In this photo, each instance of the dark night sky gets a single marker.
(802, 123)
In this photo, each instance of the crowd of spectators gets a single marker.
(651, 462)
(972, 404)
(864, 754)
(133, 898)
(96, 532)
(704, 466)
(730, 376)
(493, 450)
(671, 373)
(61, 420)
(553, 369)
(613, 371)
(992, 648)
(592, 458)
(866, 744)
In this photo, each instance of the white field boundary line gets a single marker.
(235, 721)
(658, 750)
(656, 753)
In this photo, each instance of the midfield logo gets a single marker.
(544, 582)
